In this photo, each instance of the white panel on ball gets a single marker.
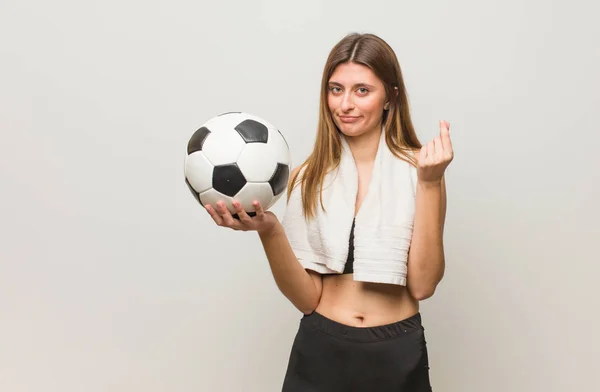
(212, 196)
(223, 146)
(257, 162)
(279, 148)
(198, 171)
(274, 200)
(260, 191)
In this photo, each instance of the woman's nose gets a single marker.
(347, 103)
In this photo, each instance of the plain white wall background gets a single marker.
(112, 278)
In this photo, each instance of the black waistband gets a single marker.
(364, 334)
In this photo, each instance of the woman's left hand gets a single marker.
(435, 156)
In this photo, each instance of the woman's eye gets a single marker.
(334, 89)
(363, 90)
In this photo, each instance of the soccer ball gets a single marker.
(237, 156)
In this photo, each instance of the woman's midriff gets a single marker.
(363, 304)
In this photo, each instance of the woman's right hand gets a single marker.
(262, 222)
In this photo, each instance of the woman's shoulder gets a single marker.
(295, 174)
(295, 171)
(294, 179)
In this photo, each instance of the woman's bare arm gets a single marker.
(301, 287)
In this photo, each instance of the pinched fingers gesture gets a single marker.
(435, 156)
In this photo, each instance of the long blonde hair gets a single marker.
(373, 52)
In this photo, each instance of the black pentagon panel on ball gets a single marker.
(228, 179)
(280, 179)
(197, 140)
(253, 131)
(194, 193)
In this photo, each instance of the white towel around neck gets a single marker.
(383, 226)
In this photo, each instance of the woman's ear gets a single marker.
(387, 104)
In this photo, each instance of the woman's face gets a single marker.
(356, 97)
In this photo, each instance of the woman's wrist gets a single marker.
(270, 231)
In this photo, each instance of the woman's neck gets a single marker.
(364, 147)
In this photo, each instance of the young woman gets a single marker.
(361, 240)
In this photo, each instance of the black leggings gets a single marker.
(328, 356)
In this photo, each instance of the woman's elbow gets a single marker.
(422, 295)
(308, 308)
(422, 292)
